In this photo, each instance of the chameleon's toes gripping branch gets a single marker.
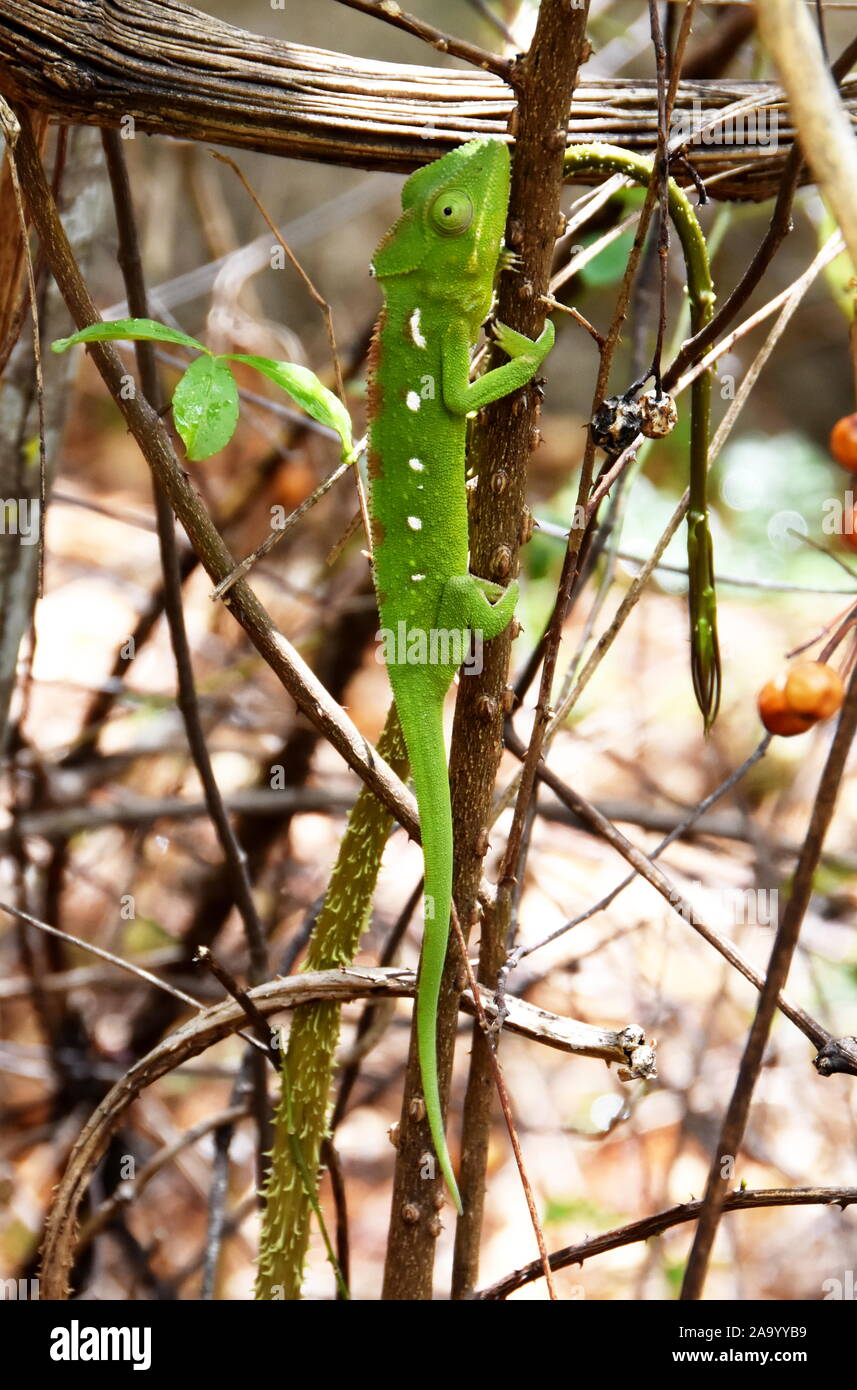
(464, 604)
(519, 347)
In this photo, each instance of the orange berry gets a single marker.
(775, 713)
(843, 442)
(813, 690)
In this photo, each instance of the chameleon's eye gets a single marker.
(452, 212)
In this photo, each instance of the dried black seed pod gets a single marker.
(615, 424)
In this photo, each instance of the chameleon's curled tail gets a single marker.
(424, 737)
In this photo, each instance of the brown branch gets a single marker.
(257, 805)
(212, 1025)
(131, 1189)
(505, 1104)
(136, 812)
(148, 430)
(103, 64)
(234, 857)
(545, 80)
(584, 542)
(658, 880)
(435, 38)
(120, 964)
(788, 931)
(650, 1226)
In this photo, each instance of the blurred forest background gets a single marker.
(109, 839)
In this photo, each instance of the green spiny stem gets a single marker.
(310, 1185)
(702, 601)
(301, 1120)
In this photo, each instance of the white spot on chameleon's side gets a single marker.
(416, 329)
(415, 523)
(413, 401)
(417, 577)
(416, 465)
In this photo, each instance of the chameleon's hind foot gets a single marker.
(464, 603)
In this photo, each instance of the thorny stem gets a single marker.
(307, 1062)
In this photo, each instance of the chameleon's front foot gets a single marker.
(523, 349)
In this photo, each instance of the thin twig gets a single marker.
(218, 1192)
(505, 1104)
(222, 1021)
(435, 38)
(11, 130)
(800, 890)
(205, 956)
(315, 295)
(661, 166)
(676, 833)
(275, 536)
(235, 859)
(132, 1188)
(234, 856)
(662, 884)
(651, 1226)
(120, 964)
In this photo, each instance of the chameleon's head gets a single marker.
(451, 227)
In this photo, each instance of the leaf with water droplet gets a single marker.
(205, 407)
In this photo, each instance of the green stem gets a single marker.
(308, 1179)
(702, 601)
(291, 1194)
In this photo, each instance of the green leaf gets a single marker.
(205, 407)
(608, 267)
(121, 329)
(305, 388)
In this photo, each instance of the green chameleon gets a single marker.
(437, 267)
